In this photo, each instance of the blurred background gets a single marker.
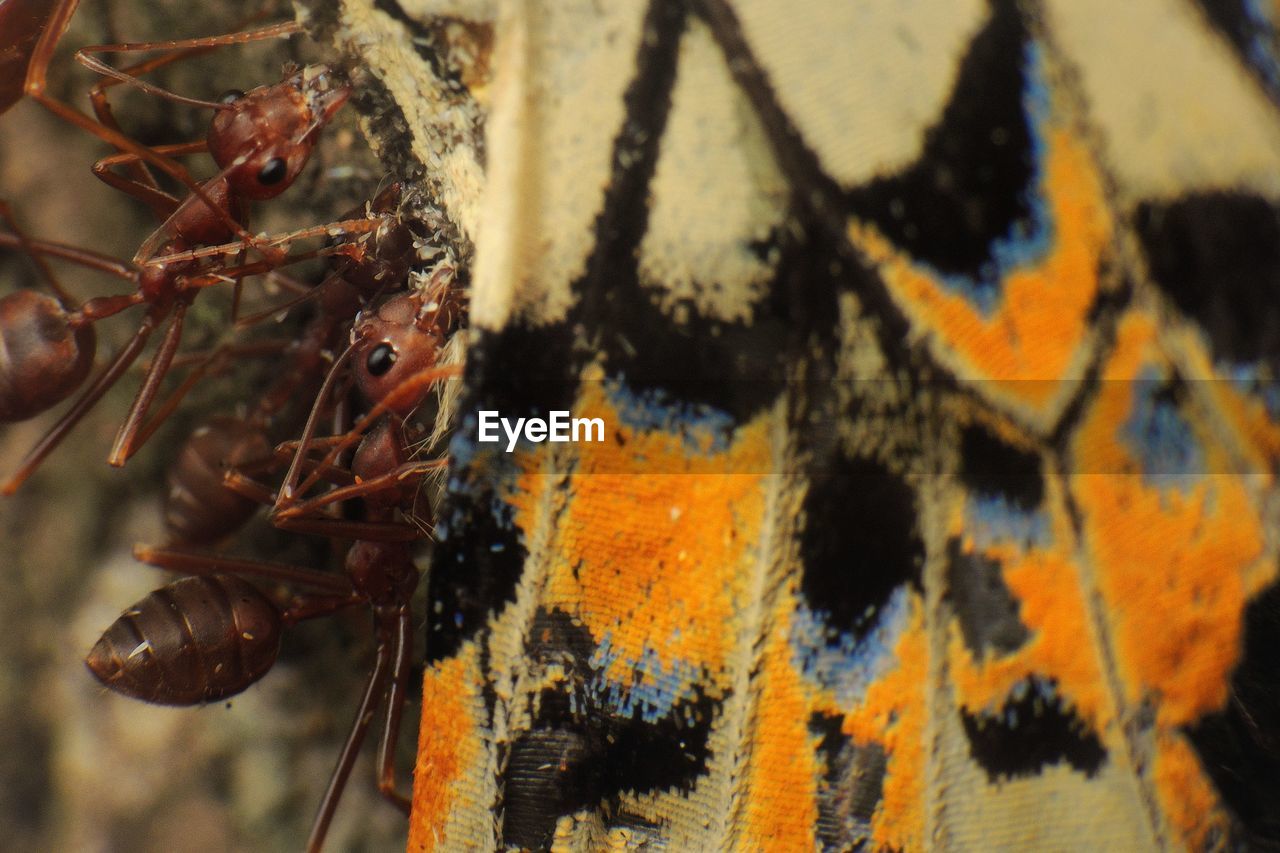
(81, 768)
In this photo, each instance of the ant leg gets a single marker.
(232, 273)
(321, 443)
(302, 293)
(84, 257)
(98, 95)
(182, 47)
(237, 291)
(239, 479)
(400, 395)
(287, 489)
(239, 482)
(191, 562)
(401, 666)
(126, 444)
(25, 244)
(305, 294)
(24, 22)
(56, 23)
(147, 191)
(407, 473)
(373, 691)
(104, 113)
(337, 528)
(313, 606)
(214, 360)
(332, 473)
(281, 242)
(133, 433)
(286, 282)
(36, 82)
(124, 143)
(83, 404)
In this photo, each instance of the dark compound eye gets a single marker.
(273, 172)
(380, 359)
(230, 96)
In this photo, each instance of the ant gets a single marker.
(395, 352)
(199, 509)
(22, 22)
(210, 636)
(207, 637)
(262, 140)
(256, 145)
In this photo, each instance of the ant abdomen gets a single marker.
(43, 357)
(198, 508)
(199, 639)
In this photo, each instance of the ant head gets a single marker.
(262, 139)
(47, 356)
(386, 266)
(391, 248)
(393, 343)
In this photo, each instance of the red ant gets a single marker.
(262, 140)
(199, 509)
(21, 24)
(259, 145)
(206, 638)
(394, 352)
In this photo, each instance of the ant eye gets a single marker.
(273, 172)
(230, 96)
(380, 359)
